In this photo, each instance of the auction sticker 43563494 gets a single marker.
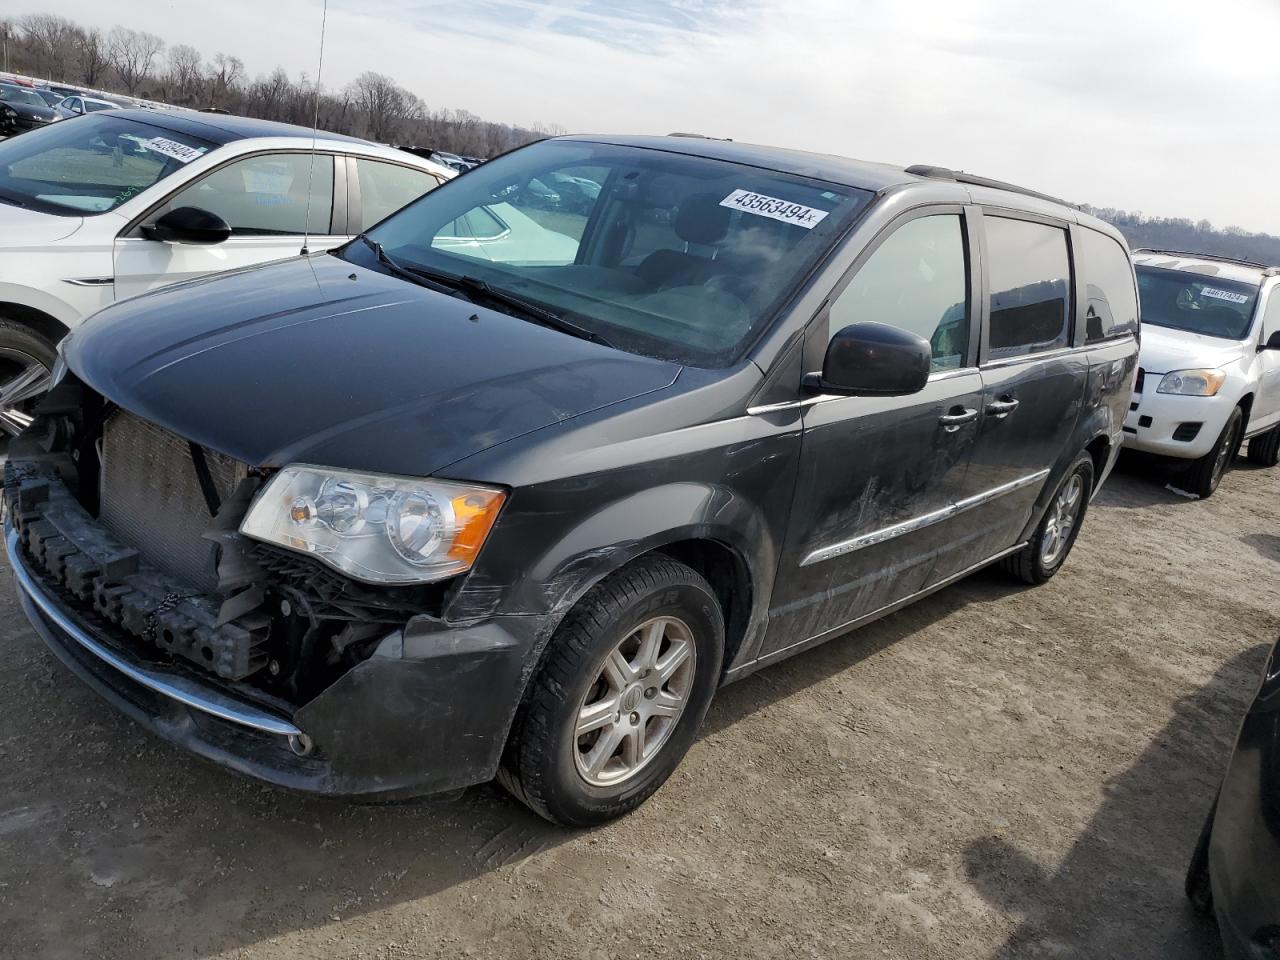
(784, 210)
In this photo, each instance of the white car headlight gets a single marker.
(375, 528)
(1192, 383)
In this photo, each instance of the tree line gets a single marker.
(1176, 233)
(140, 64)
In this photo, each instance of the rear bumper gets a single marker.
(1154, 420)
(427, 713)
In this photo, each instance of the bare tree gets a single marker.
(384, 103)
(184, 72)
(132, 53)
(53, 41)
(93, 56)
(226, 76)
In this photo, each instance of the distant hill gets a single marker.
(1166, 233)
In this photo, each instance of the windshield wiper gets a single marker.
(5, 198)
(477, 290)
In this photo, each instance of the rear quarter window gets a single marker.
(1111, 299)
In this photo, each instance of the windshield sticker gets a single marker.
(1226, 295)
(775, 209)
(172, 148)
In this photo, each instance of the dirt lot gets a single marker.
(994, 772)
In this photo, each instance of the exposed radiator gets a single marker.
(151, 496)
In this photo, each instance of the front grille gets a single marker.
(151, 497)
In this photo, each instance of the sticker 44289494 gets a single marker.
(798, 214)
(172, 148)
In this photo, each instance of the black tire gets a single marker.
(20, 345)
(540, 764)
(1197, 886)
(1204, 475)
(1030, 564)
(1264, 449)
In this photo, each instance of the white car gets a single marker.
(123, 201)
(1209, 366)
(79, 105)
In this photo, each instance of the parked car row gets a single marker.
(504, 480)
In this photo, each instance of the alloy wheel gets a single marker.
(22, 378)
(635, 702)
(1061, 520)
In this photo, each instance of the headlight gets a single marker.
(1192, 383)
(375, 528)
(9, 112)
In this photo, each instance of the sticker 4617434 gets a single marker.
(773, 208)
(1226, 295)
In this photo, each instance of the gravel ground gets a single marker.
(994, 772)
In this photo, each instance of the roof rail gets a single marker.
(1216, 257)
(699, 136)
(959, 176)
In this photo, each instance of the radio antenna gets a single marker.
(315, 126)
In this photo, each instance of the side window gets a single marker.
(1111, 309)
(266, 195)
(1030, 278)
(386, 187)
(1271, 319)
(915, 280)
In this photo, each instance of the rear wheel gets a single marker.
(620, 695)
(1206, 473)
(26, 361)
(1264, 449)
(1047, 549)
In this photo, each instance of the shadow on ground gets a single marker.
(1157, 804)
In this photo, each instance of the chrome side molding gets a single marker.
(187, 692)
(844, 547)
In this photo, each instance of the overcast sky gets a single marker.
(1165, 106)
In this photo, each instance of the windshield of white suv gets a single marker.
(1212, 306)
(91, 164)
(674, 256)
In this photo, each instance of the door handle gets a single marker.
(1002, 408)
(951, 422)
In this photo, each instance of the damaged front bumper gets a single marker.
(428, 712)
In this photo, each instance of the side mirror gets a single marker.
(188, 225)
(1273, 342)
(873, 359)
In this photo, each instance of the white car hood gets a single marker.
(24, 228)
(1164, 349)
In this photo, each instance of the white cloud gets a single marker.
(1164, 106)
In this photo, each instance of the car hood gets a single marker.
(316, 360)
(1165, 349)
(20, 227)
(30, 110)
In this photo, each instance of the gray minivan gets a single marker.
(420, 512)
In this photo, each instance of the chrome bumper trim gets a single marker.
(187, 692)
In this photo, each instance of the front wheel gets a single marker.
(26, 363)
(1205, 474)
(620, 695)
(1048, 547)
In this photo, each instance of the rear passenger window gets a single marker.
(1030, 277)
(386, 187)
(1111, 308)
(915, 280)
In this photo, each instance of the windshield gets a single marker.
(19, 95)
(91, 165)
(658, 253)
(1212, 306)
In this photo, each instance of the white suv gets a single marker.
(112, 204)
(1209, 367)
